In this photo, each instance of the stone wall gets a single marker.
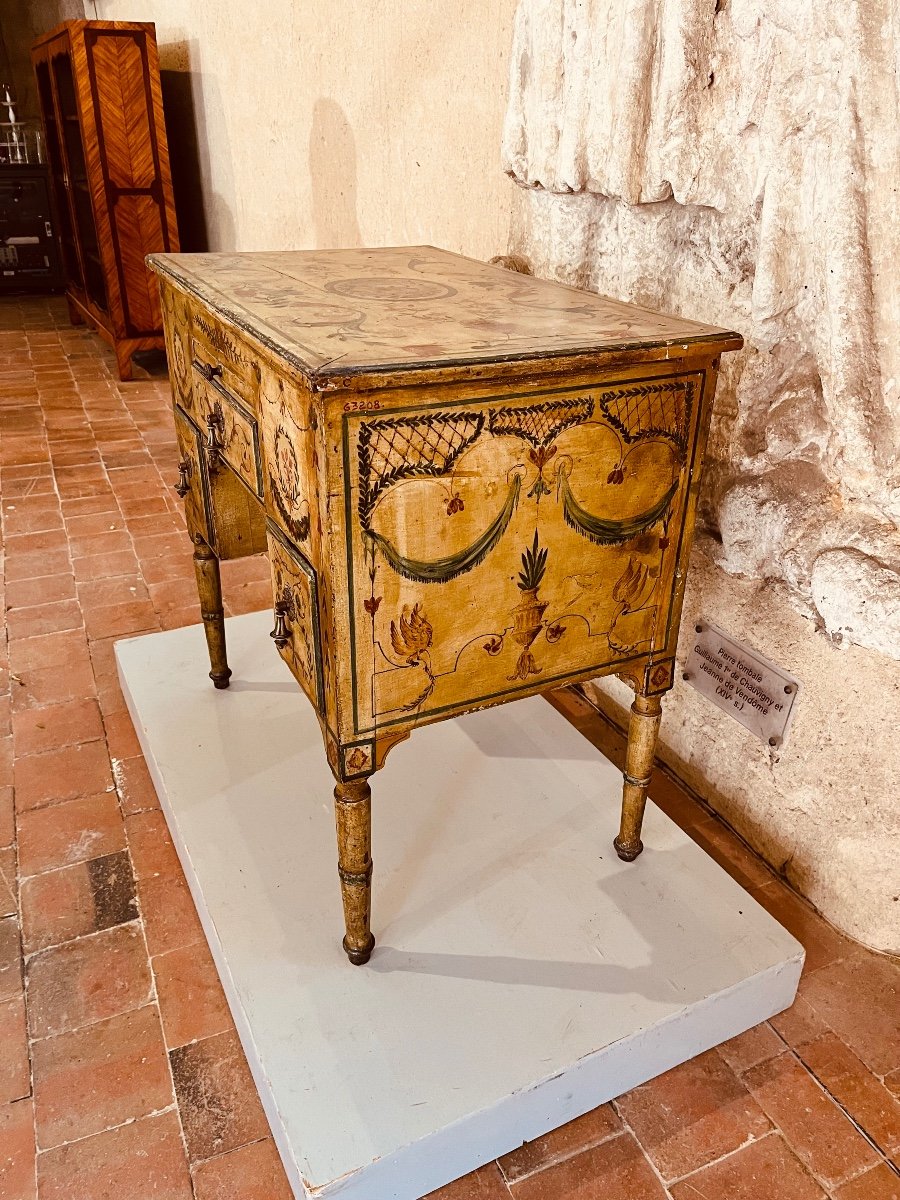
(737, 161)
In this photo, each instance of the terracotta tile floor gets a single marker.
(120, 1071)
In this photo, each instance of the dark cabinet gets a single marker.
(29, 257)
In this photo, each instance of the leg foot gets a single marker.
(359, 957)
(353, 818)
(627, 853)
(643, 729)
(209, 585)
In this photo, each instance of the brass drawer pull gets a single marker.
(185, 470)
(215, 425)
(208, 371)
(281, 634)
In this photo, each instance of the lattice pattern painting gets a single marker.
(407, 447)
(651, 410)
(539, 424)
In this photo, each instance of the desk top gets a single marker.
(336, 313)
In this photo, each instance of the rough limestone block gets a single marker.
(737, 160)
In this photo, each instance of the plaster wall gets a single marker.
(338, 124)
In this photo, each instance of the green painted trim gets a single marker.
(348, 534)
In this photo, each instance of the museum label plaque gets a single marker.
(741, 682)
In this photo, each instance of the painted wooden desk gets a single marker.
(472, 486)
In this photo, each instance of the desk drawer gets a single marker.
(296, 633)
(215, 346)
(218, 505)
(232, 430)
(191, 476)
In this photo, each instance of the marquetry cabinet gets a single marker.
(101, 105)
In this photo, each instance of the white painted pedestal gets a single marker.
(523, 974)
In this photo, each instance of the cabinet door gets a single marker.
(131, 160)
(77, 181)
(65, 216)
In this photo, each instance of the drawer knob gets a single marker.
(215, 425)
(281, 634)
(208, 371)
(185, 469)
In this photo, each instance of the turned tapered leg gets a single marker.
(209, 586)
(353, 816)
(642, 733)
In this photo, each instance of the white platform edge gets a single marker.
(549, 1103)
(435, 1160)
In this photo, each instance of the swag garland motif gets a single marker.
(442, 570)
(402, 448)
(602, 531)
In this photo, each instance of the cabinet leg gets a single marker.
(643, 729)
(353, 817)
(123, 361)
(209, 586)
(75, 317)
